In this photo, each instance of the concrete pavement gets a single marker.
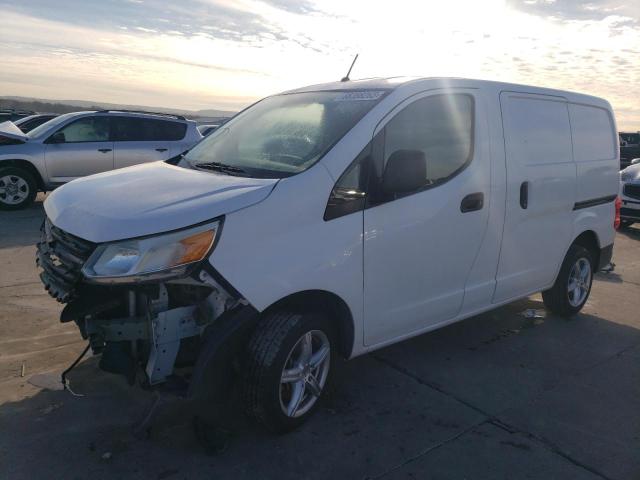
(496, 396)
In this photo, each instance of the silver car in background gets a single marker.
(26, 124)
(83, 143)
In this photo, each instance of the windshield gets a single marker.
(47, 126)
(284, 134)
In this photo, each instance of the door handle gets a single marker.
(104, 150)
(524, 195)
(161, 149)
(472, 202)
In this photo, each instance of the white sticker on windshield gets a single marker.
(359, 95)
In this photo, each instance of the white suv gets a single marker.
(630, 195)
(83, 143)
(329, 222)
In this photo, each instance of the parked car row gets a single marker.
(12, 115)
(629, 148)
(77, 144)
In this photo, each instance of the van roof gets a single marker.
(391, 83)
(365, 83)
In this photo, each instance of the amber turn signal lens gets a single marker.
(196, 246)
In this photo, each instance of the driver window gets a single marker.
(87, 129)
(434, 133)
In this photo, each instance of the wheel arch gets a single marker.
(26, 165)
(589, 240)
(228, 335)
(326, 302)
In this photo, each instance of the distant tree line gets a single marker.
(44, 107)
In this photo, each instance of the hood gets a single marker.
(148, 199)
(631, 173)
(8, 129)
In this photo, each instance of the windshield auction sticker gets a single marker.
(359, 95)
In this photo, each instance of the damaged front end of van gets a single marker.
(142, 304)
(132, 268)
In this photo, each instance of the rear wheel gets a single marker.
(288, 367)
(573, 284)
(18, 188)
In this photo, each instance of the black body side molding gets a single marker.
(593, 202)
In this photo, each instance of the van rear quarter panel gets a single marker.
(595, 151)
(597, 158)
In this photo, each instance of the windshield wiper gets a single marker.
(220, 167)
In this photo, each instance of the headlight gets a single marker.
(627, 175)
(162, 256)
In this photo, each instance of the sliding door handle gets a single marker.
(472, 202)
(524, 195)
(104, 150)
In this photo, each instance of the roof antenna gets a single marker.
(346, 78)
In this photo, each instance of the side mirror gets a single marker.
(406, 172)
(57, 137)
(635, 161)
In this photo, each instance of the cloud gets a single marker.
(300, 7)
(223, 21)
(580, 9)
(194, 52)
(622, 14)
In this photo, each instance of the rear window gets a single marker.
(593, 133)
(131, 129)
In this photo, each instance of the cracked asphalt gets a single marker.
(495, 396)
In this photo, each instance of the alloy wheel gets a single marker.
(305, 373)
(579, 282)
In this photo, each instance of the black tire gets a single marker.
(268, 351)
(28, 186)
(556, 298)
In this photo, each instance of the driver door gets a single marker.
(427, 215)
(85, 149)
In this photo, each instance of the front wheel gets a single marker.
(18, 188)
(573, 284)
(287, 370)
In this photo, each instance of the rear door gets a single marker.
(541, 192)
(141, 140)
(86, 149)
(420, 245)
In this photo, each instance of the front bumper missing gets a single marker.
(160, 328)
(136, 328)
(167, 330)
(126, 341)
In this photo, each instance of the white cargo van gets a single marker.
(328, 222)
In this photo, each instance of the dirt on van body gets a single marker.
(506, 394)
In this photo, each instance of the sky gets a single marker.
(196, 54)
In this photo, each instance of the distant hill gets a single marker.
(66, 106)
